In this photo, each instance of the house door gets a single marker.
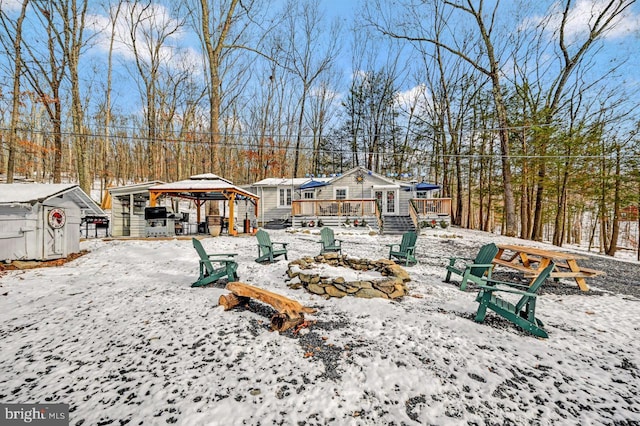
(53, 232)
(388, 201)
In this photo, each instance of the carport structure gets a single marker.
(203, 188)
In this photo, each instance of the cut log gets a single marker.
(282, 322)
(290, 313)
(231, 301)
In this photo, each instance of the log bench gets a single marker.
(290, 313)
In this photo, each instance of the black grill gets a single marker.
(155, 213)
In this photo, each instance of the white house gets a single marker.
(356, 195)
(277, 195)
(42, 221)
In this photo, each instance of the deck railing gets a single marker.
(432, 206)
(413, 213)
(363, 207)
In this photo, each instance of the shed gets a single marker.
(42, 221)
(128, 207)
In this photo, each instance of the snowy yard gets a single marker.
(121, 336)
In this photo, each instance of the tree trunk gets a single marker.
(615, 229)
(15, 102)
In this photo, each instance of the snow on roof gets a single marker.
(201, 185)
(133, 188)
(209, 176)
(290, 181)
(280, 182)
(32, 193)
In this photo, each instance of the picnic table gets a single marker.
(532, 261)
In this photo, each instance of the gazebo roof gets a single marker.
(202, 187)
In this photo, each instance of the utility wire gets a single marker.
(346, 152)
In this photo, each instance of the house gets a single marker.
(42, 221)
(358, 195)
(277, 195)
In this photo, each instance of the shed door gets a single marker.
(55, 219)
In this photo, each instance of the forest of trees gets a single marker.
(526, 115)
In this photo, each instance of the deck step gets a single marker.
(395, 225)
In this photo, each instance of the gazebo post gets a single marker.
(198, 215)
(153, 198)
(232, 202)
(255, 209)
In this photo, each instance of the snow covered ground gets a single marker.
(121, 336)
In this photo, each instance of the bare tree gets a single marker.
(488, 63)
(45, 74)
(304, 34)
(322, 110)
(151, 29)
(106, 157)
(71, 36)
(14, 39)
(570, 54)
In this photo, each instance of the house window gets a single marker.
(284, 197)
(422, 194)
(341, 193)
(308, 195)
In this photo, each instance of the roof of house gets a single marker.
(424, 186)
(310, 184)
(33, 193)
(296, 182)
(316, 182)
(134, 188)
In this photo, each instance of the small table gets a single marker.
(532, 261)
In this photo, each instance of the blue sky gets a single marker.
(622, 44)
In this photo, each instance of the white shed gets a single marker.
(42, 221)
(127, 211)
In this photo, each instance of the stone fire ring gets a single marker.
(392, 286)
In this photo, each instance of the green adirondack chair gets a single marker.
(266, 252)
(474, 271)
(523, 313)
(328, 241)
(209, 273)
(406, 249)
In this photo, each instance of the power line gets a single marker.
(330, 151)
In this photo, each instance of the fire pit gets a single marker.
(326, 275)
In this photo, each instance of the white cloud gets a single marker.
(152, 24)
(582, 18)
(412, 97)
(11, 5)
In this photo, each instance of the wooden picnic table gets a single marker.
(532, 261)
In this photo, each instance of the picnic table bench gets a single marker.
(531, 261)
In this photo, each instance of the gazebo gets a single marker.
(203, 188)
